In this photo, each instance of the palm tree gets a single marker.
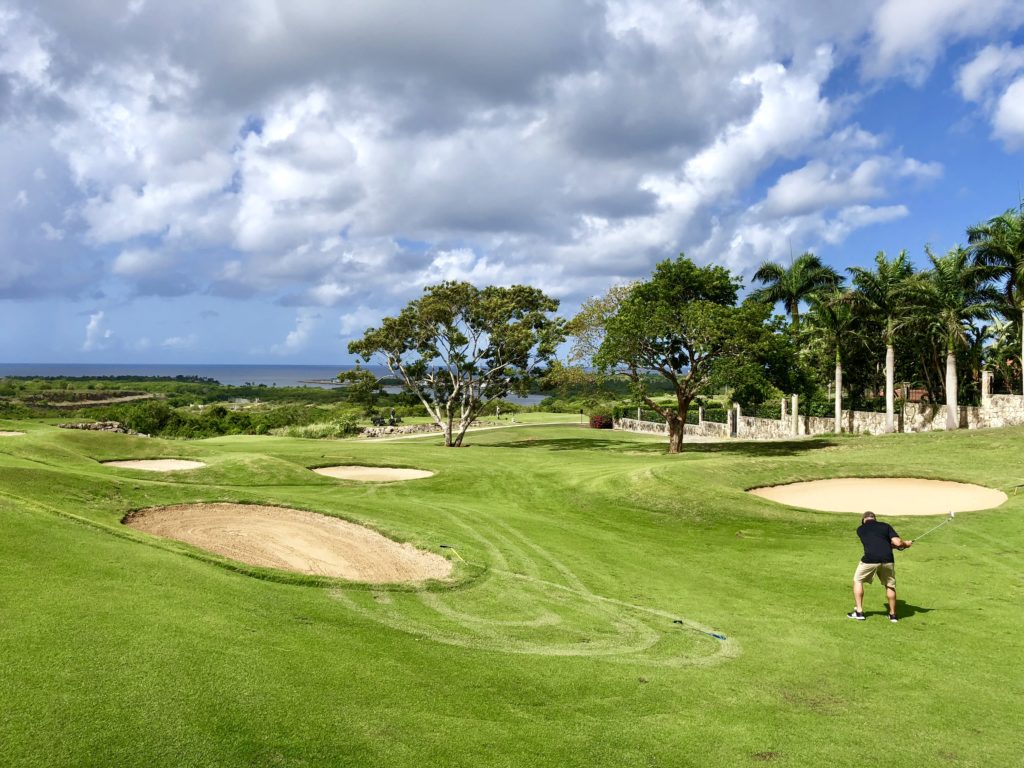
(999, 244)
(885, 293)
(832, 322)
(959, 293)
(805, 276)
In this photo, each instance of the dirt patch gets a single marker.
(292, 540)
(373, 474)
(11, 434)
(901, 496)
(156, 465)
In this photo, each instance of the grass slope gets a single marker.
(557, 645)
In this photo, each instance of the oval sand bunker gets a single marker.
(4, 433)
(293, 540)
(884, 495)
(156, 465)
(373, 474)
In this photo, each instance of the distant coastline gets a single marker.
(230, 375)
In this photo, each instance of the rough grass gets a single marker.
(556, 647)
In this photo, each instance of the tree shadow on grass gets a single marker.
(605, 445)
(766, 448)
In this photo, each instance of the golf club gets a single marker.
(695, 629)
(453, 549)
(948, 519)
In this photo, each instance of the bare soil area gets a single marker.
(156, 465)
(292, 540)
(884, 495)
(373, 474)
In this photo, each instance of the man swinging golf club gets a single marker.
(879, 540)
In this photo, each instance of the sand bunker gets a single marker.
(373, 474)
(293, 540)
(884, 495)
(156, 465)
(10, 434)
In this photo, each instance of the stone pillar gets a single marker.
(782, 410)
(638, 413)
(737, 413)
(986, 389)
(700, 414)
(731, 419)
(796, 415)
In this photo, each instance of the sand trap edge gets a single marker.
(365, 474)
(984, 497)
(10, 433)
(156, 465)
(451, 574)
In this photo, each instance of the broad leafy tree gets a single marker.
(458, 347)
(886, 294)
(791, 285)
(362, 387)
(682, 325)
(959, 294)
(999, 244)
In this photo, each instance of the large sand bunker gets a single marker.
(156, 465)
(373, 474)
(885, 495)
(293, 540)
(4, 433)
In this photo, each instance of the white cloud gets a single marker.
(305, 322)
(51, 232)
(97, 337)
(909, 35)
(180, 342)
(990, 66)
(354, 323)
(1008, 120)
(818, 186)
(136, 262)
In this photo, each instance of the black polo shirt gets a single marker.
(877, 540)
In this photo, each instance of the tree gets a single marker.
(999, 244)
(804, 277)
(683, 325)
(886, 294)
(458, 347)
(363, 387)
(832, 324)
(958, 293)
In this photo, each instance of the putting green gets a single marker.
(903, 496)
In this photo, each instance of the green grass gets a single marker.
(555, 647)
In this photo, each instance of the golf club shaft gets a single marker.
(933, 529)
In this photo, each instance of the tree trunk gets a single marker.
(449, 419)
(890, 388)
(676, 429)
(1022, 353)
(952, 412)
(839, 394)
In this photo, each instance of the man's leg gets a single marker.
(858, 596)
(890, 594)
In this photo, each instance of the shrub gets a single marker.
(600, 421)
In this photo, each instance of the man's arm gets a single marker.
(899, 543)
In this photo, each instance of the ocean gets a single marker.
(231, 375)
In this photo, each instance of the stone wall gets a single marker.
(996, 411)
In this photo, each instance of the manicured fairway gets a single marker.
(576, 553)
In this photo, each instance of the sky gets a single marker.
(260, 181)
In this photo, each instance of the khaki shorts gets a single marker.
(886, 573)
